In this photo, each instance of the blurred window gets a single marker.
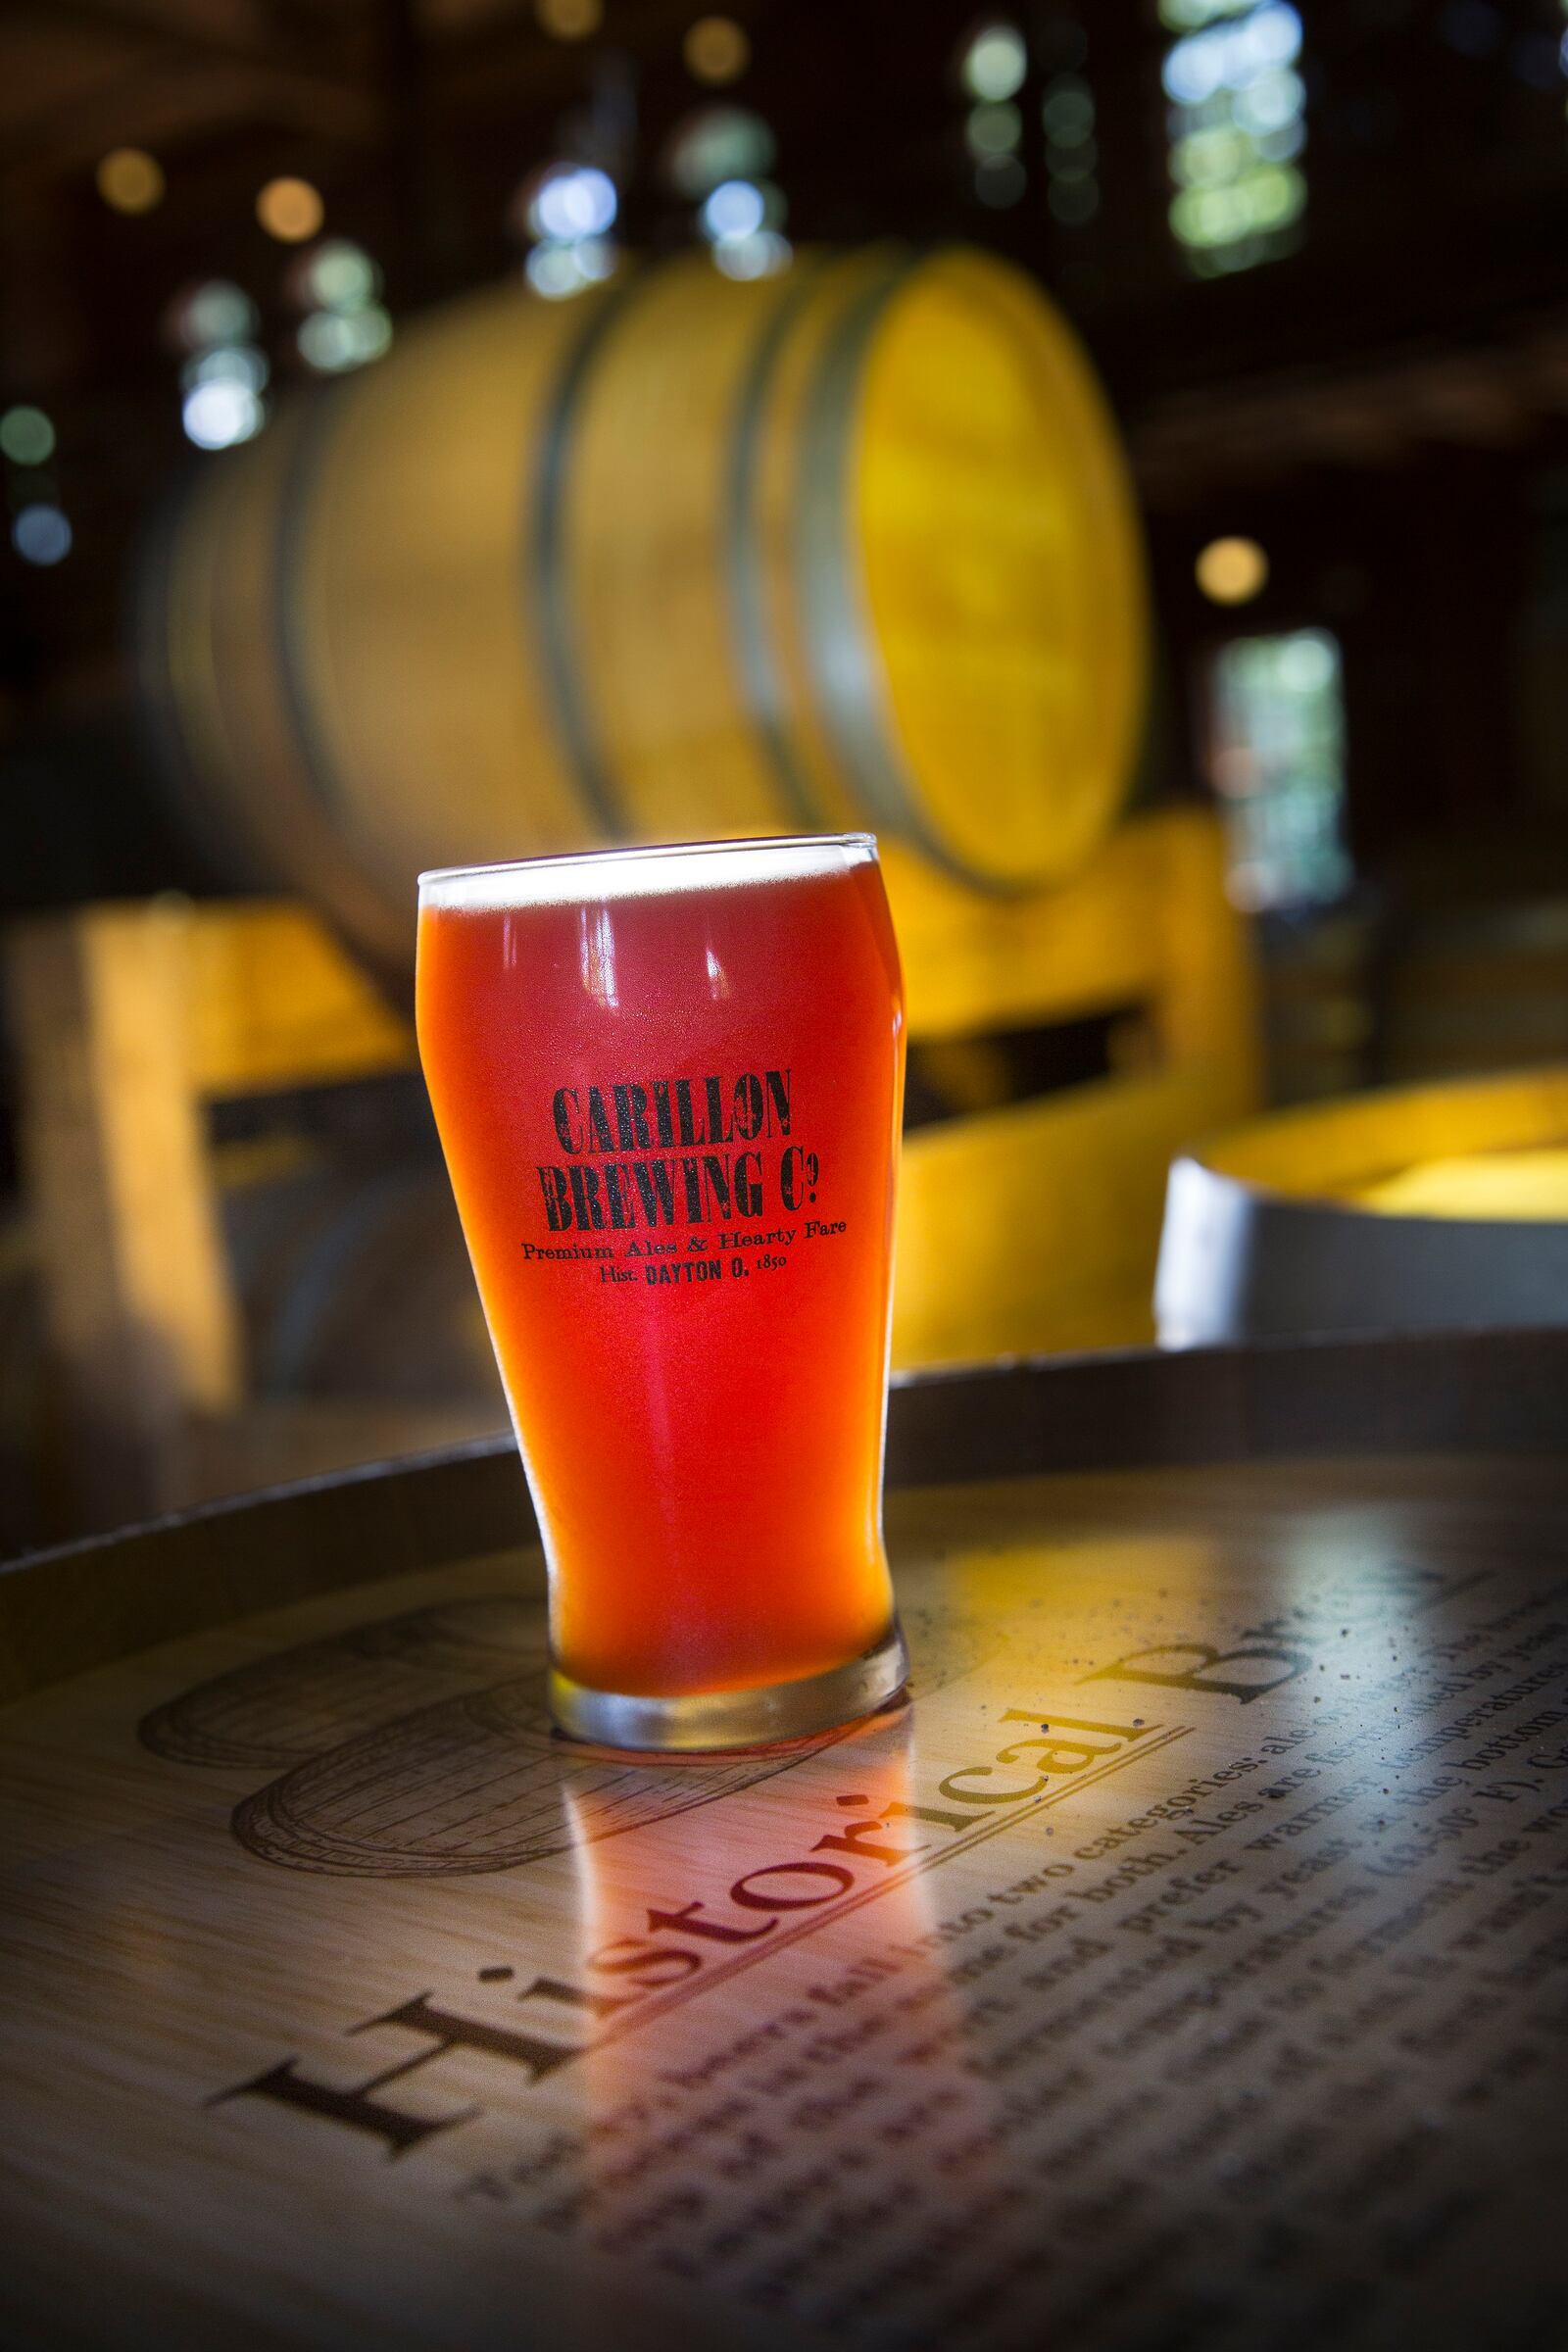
(1236, 131)
(1277, 764)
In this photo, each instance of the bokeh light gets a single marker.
(569, 19)
(993, 128)
(994, 62)
(742, 220)
(1276, 759)
(1067, 112)
(736, 209)
(26, 436)
(130, 181)
(763, 255)
(1231, 570)
(1232, 55)
(215, 312)
(1237, 125)
(572, 201)
(717, 142)
(228, 364)
(226, 370)
(41, 535)
(1072, 151)
(553, 272)
(716, 50)
(559, 271)
(570, 208)
(1000, 181)
(335, 275)
(217, 415)
(290, 209)
(334, 341)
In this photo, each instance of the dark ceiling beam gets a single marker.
(468, 68)
(279, 84)
(1382, 413)
(156, 105)
(142, 27)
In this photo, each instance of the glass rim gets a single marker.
(749, 843)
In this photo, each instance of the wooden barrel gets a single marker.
(355, 1284)
(348, 2006)
(854, 546)
(1415, 1209)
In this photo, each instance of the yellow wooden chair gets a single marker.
(1024, 1226)
(1035, 1225)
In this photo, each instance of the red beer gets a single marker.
(668, 1087)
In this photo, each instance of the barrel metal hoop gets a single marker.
(837, 635)
(285, 1366)
(357, 895)
(546, 585)
(148, 635)
(744, 563)
(296, 497)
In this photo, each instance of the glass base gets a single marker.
(722, 1719)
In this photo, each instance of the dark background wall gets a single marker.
(1383, 407)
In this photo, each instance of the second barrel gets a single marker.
(852, 546)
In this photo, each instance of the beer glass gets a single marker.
(669, 1084)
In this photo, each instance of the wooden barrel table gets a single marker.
(1182, 1964)
(1408, 1209)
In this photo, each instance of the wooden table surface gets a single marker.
(1183, 1965)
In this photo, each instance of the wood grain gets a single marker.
(140, 1322)
(343, 2004)
(81, 1605)
(275, 1001)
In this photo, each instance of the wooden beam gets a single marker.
(140, 1321)
(274, 1001)
(1037, 1225)
(158, 74)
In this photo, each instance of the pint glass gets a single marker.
(668, 1084)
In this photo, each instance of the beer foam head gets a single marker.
(592, 876)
